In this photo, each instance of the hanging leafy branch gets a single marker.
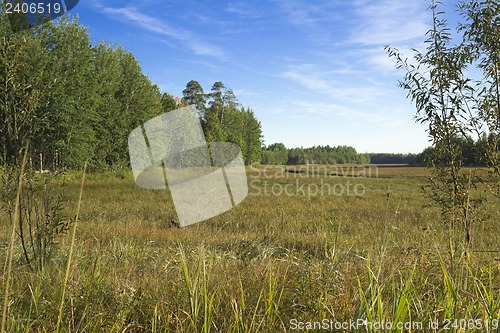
(441, 91)
(481, 36)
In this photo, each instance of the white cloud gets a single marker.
(319, 64)
(245, 93)
(300, 14)
(346, 87)
(155, 25)
(378, 59)
(244, 10)
(305, 76)
(338, 110)
(389, 22)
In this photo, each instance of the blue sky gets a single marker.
(314, 72)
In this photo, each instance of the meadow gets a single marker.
(319, 249)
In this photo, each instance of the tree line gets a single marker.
(278, 154)
(75, 102)
(470, 153)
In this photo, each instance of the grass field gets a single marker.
(333, 246)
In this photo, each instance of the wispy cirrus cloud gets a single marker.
(340, 110)
(244, 10)
(314, 19)
(310, 13)
(306, 76)
(389, 21)
(399, 24)
(333, 84)
(153, 24)
(245, 93)
(300, 14)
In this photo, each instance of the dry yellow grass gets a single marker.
(272, 259)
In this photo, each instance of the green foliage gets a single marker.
(471, 153)
(251, 137)
(223, 120)
(66, 138)
(385, 158)
(425, 157)
(72, 101)
(42, 219)
(77, 103)
(21, 76)
(194, 95)
(168, 102)
(439, 88)
(127, 100)
(457, 109)
(278, 154)
(481, 40)
(275, 154)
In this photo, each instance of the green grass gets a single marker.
(381, 256)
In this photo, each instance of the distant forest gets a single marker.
(278, 154)
(472, 153)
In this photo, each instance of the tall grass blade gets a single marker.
(73, 236)
(12, 238)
